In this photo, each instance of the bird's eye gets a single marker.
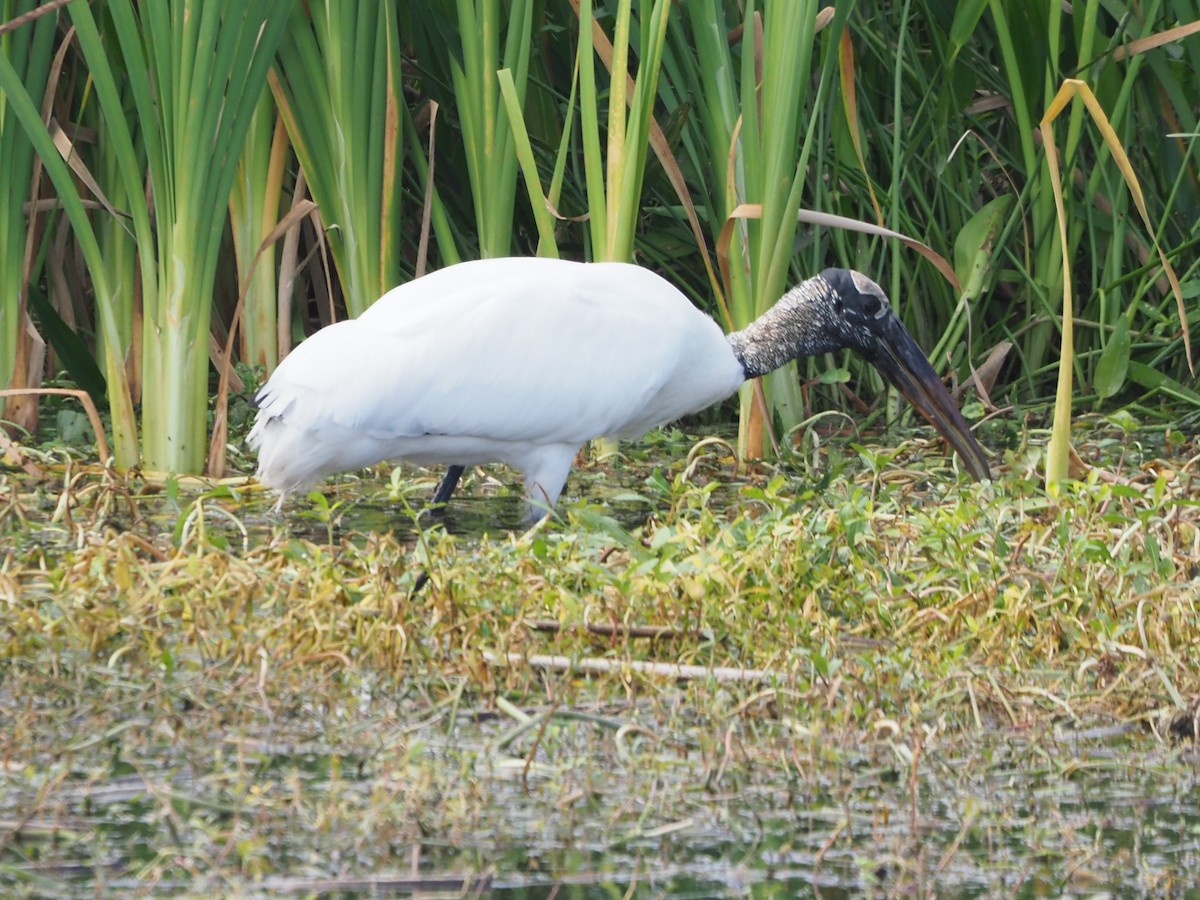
(871, 305)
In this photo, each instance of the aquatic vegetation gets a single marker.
(870, 676)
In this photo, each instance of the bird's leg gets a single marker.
(440, 497)
(449, 483)
(545, 475)
(418, 584)
(538, 504)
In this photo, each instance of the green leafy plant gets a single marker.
(337, 87)
(489, 142)
(28, 52)
(755, 110)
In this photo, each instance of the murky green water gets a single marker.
(589, 814)
(988, 820)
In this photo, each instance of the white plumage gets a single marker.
(522, 361)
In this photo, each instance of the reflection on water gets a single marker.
(590, 815)
(964, 828)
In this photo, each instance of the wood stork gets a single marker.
(522, 361)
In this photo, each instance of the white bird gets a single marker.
(522, 361)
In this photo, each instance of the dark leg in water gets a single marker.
(440, 497)
(446, 488)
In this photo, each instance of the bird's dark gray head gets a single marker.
(836, 310)
(841, 309)
(858, 316)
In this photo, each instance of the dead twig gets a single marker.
(592, 665)
(89, 407)
(654, 632)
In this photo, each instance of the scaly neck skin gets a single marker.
(793, 328)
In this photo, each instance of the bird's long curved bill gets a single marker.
(904, 364)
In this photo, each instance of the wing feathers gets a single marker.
(517, 350)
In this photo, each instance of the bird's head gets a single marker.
(856, 314)
(861, 319)
(845, 310)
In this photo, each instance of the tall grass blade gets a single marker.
(29, 50)
(547, 243)
(614, 180)
(337, 87)
(1057, 457)
(756, 119)
(197, 71)
(253, 213)
(488, 137)
(18, 102)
